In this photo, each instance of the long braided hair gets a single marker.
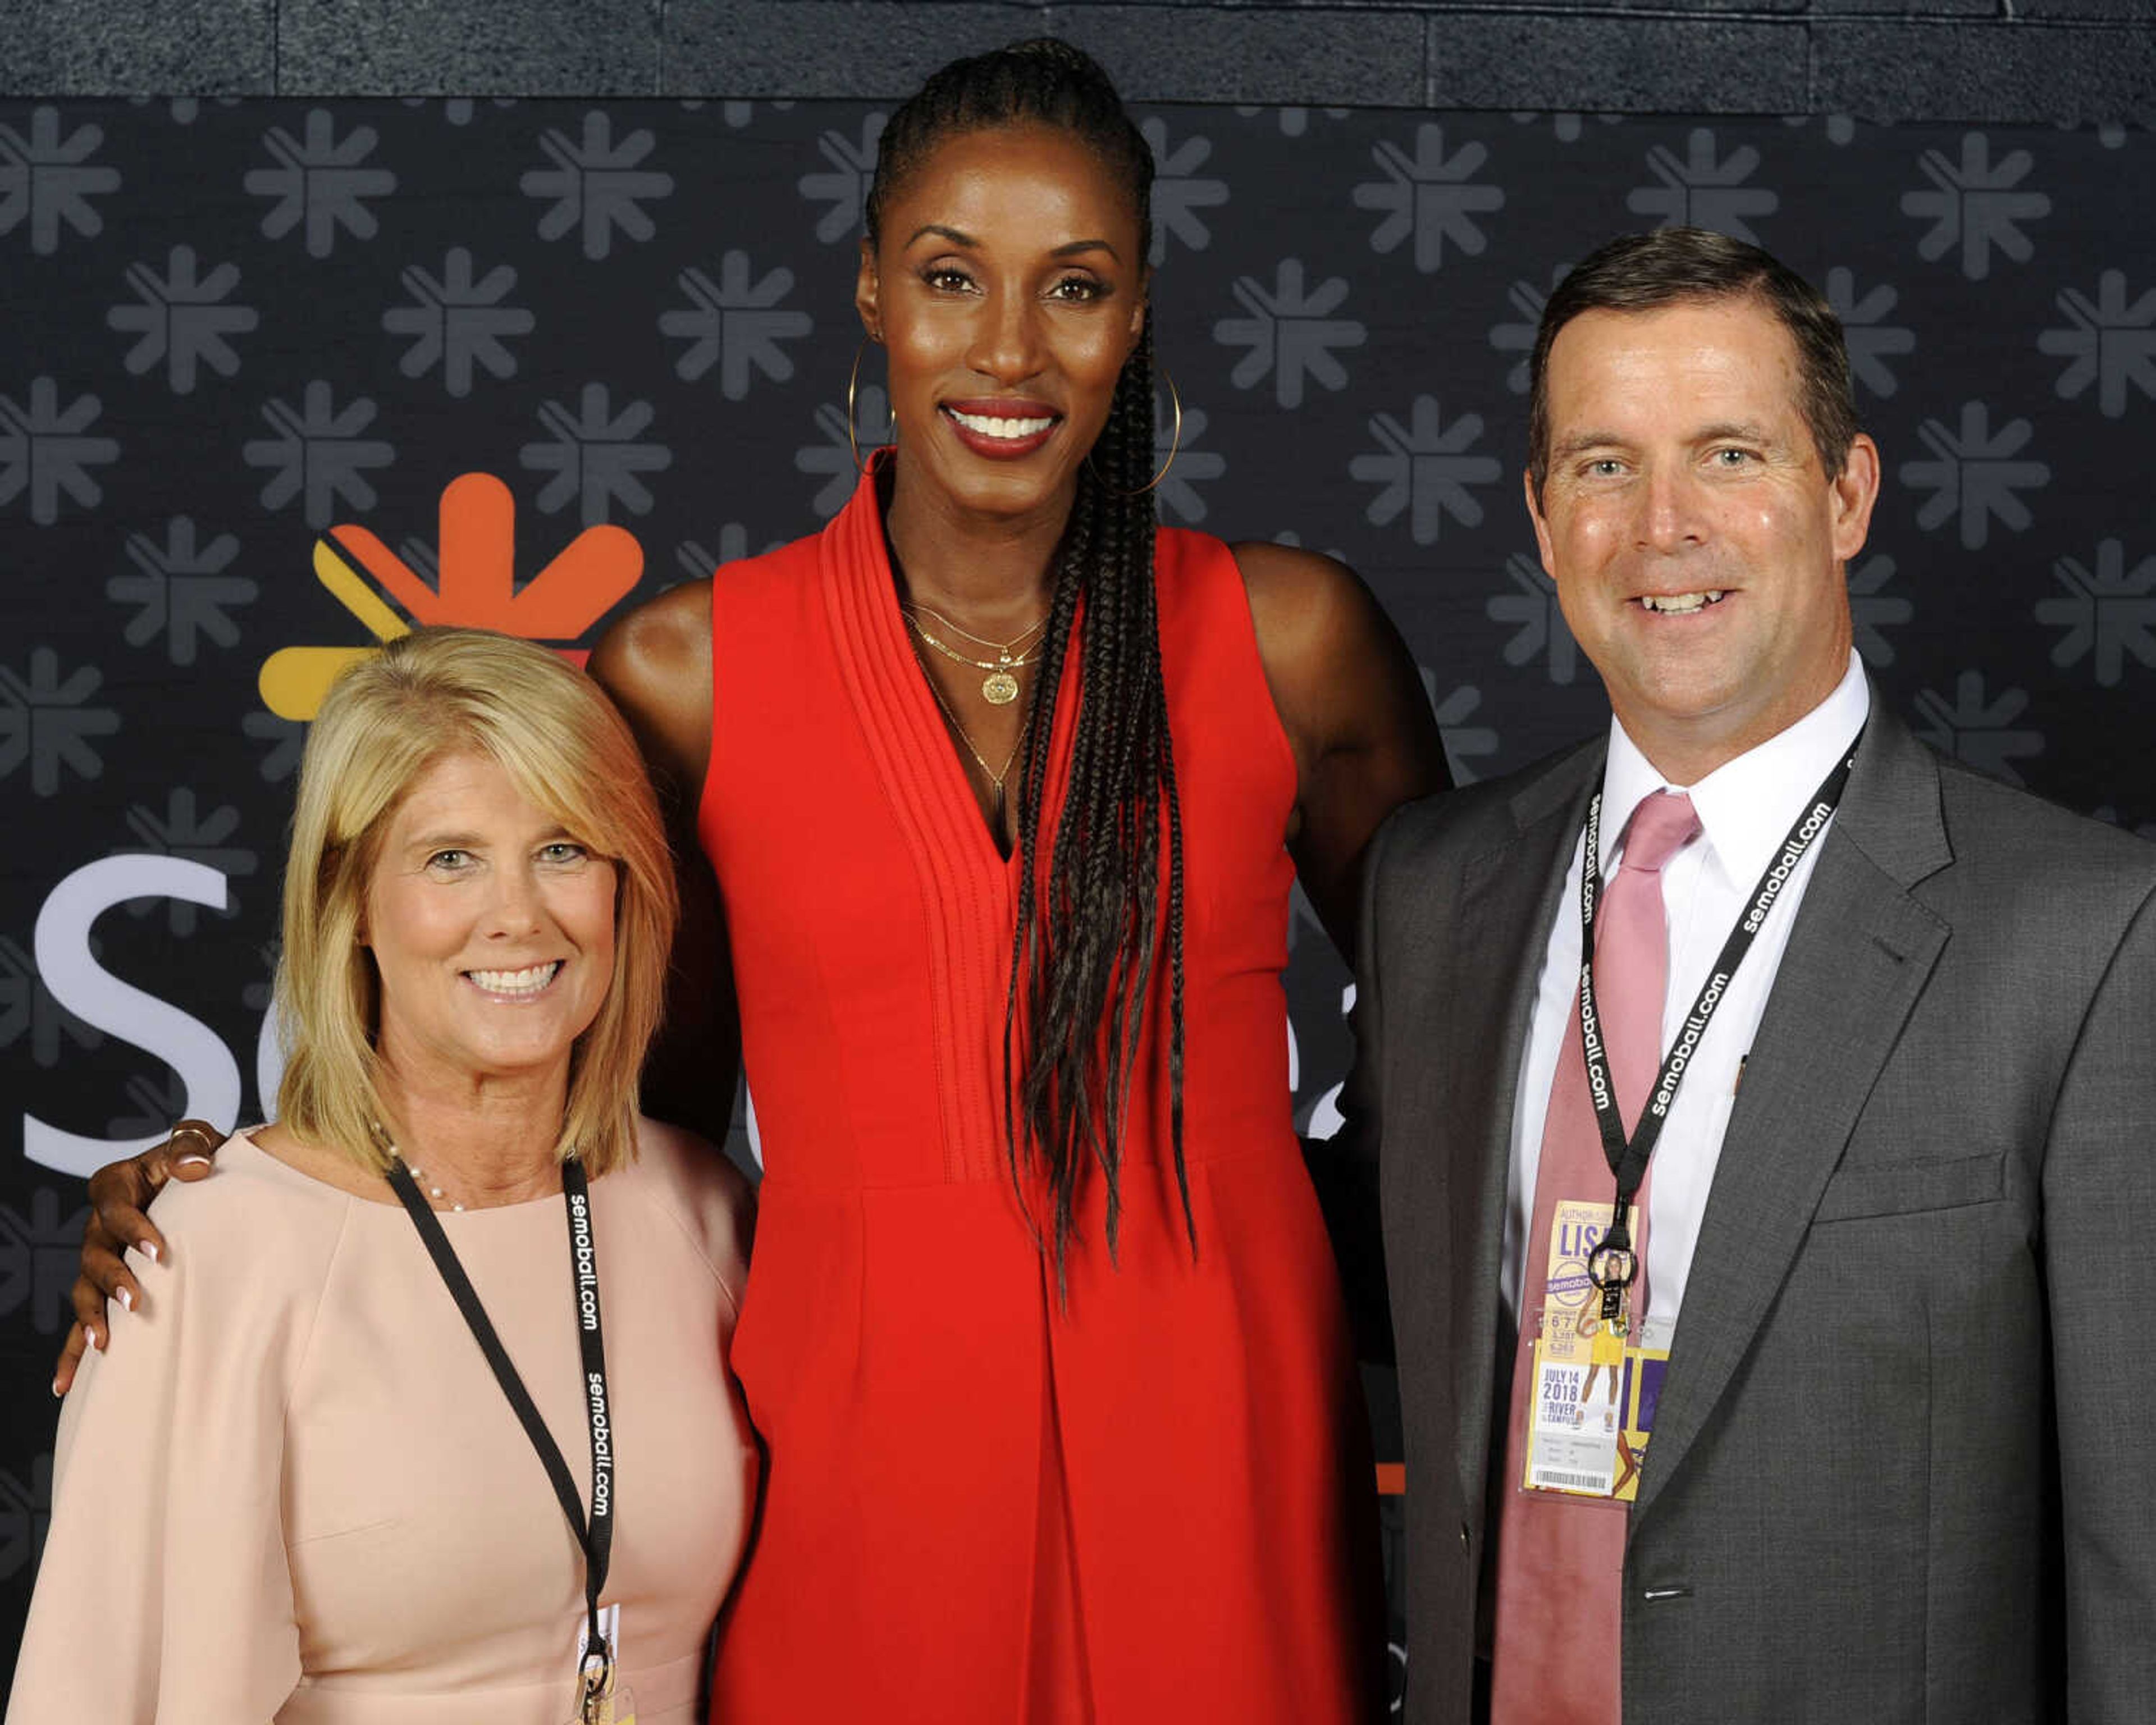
(1089, 932)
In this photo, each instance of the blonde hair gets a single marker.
(430, 694)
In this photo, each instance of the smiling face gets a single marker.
(1007, 288)
(492, 930)
(1697, 543)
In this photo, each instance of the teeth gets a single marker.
(1682, 602)
(528, 981)
(981, 425)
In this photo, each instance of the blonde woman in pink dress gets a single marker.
(297, 1490)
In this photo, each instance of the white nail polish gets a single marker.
(96, 1342)
(149, 1250)
(126, 1300)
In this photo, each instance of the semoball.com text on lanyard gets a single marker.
(1613, 1266)
(601, 1699)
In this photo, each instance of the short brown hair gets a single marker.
(1644, 272)
(433, 693)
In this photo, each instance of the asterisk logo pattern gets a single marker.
(1975, 206)
(152, 1104)
(832, 456)
(287, 738)
(2109, 614)
(1538, 625)
(37, 1257)
(48, 181)
(1291, 333)
(180, 591)
(1429, 195)
(1975, 476)
(1872, 608)
(1191, 468)
(1700, 189)
(27, 1008)
(696, 563)
(319, 453)
(1179, 191)
(596, 455)
(182, 319)
(1463, 743)
(1977, 730)
(46, 721)
(182, 830)
(1872, 341)
(47, 451)
(1517, 334)
(321, 183)
(736, 323)
(2112, 341)
(842, 186)
(1424, 470)
(595, 186)
(457, 322)
(26, 1498)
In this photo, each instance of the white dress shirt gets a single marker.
(1746, 808)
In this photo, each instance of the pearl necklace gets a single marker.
(435, 1193)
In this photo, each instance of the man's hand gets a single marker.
(119, 1194)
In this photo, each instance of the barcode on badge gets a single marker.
(1551, 1479)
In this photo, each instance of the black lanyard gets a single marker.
(1613, 1265)
(596, 1537)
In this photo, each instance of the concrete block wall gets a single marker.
(2067, 61)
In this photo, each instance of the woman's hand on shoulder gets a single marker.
(655, 664)
(120, 1193)
(1352, 702)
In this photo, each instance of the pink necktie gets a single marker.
(1561, 1560)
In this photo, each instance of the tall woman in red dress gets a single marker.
(1070, 1431)
(1003, 788)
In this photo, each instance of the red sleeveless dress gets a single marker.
(982, 1504)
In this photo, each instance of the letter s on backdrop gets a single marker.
(95, 995)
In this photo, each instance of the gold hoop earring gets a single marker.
(1174, 442)
(853, 437)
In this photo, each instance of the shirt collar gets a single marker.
(1746, 806)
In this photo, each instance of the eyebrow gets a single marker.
(443, 841)
(959, 237)
(1741, 431)
(449, 839)
(1581, 441)
(1721, 431)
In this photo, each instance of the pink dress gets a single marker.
(291, 1490)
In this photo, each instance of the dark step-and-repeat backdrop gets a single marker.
(229, 326)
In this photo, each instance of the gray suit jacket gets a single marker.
(1905, 1462)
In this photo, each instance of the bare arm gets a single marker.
(1352, 702)
(656, 665)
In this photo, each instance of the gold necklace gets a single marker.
(1000, 688)
(995, 778)
(959, 629)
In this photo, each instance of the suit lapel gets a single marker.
(1857, 960)
(1509, 898)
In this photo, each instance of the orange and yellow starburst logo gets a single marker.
(477, 588)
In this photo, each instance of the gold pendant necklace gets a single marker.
(1000, 687)
(995, 778)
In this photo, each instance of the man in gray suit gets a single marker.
(1899, 1210)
